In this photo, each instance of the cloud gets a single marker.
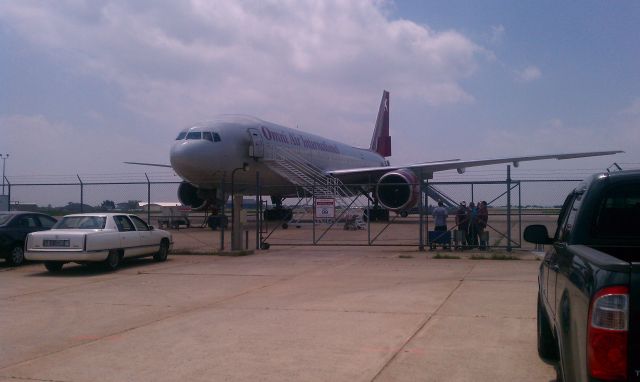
(528, 74)
(177, 62)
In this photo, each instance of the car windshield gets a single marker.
(81, 222)
(4, 218)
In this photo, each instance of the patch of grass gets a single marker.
(206, 253)
(502, 256)
(405, 257)
(494, 256)
(445, 256)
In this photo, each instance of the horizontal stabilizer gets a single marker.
(149, 164)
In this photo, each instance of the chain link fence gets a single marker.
(154, 199)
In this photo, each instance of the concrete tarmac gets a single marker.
(287, 314)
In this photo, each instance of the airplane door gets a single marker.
(256, 149)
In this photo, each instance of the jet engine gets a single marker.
(398, 190)
(192, 196)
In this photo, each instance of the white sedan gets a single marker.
(97, 238)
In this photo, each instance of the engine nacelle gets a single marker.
(191, 196)
(398, 190)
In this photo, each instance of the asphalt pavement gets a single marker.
(287, 314)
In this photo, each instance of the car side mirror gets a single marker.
(537, 234)
(151, 228)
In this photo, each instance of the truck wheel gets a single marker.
(113, 261)
(547, 345)
(53, 266)
(162, 252)
(16, 256)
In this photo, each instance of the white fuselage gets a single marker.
(206, 154)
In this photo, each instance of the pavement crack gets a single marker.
(424, 323)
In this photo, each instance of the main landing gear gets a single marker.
(278, 212)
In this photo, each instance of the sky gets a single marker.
(87, 85)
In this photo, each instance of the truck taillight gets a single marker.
(608, 334)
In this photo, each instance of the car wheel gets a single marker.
(53, 266)
(113, 260)
(16, 256)
(547, 345)
(163, 252)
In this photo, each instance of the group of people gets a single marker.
(471, 221)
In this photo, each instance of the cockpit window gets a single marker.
(194, 135)
(207, 135)
(216, 137)
(181, 135)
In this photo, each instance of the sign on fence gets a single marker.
(325, 208)
(4, 202)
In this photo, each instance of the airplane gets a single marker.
(207, 155)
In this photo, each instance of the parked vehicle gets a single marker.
(14, 227)
(106, 238)
(589, 282)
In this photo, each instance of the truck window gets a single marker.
(619, 214)
(571, 217)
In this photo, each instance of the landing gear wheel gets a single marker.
(53, 266)
(113, 261)
(404, 214)
(16, 257)
(163, 252)
(265, 246)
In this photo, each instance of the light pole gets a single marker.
(234, 231)
(4, 159)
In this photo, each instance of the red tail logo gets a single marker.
(381, 140)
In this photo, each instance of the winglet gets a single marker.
(381, 140)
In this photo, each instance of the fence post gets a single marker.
(81, 194)
(368, 213)
(509, 208)
(519, 215)
(8, 194)
(313, 209)
(472, 193)
(222, 214)
(421, 212)
(258, 215)
(148, 199)
(426, 199)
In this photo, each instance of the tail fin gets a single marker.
(381, 140)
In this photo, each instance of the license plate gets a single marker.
(55, 243)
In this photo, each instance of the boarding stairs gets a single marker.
(438, 195)
(314, 181)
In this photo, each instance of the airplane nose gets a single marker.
(187, 158)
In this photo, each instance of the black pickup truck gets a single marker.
(589, 282)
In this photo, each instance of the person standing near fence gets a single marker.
(462, 221)
(440, 216)
(472, 237)
(483, 219)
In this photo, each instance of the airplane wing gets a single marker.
(149, 164)
(459, 165)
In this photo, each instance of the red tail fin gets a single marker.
(381, 140)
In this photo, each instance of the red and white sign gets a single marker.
(325, 208)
